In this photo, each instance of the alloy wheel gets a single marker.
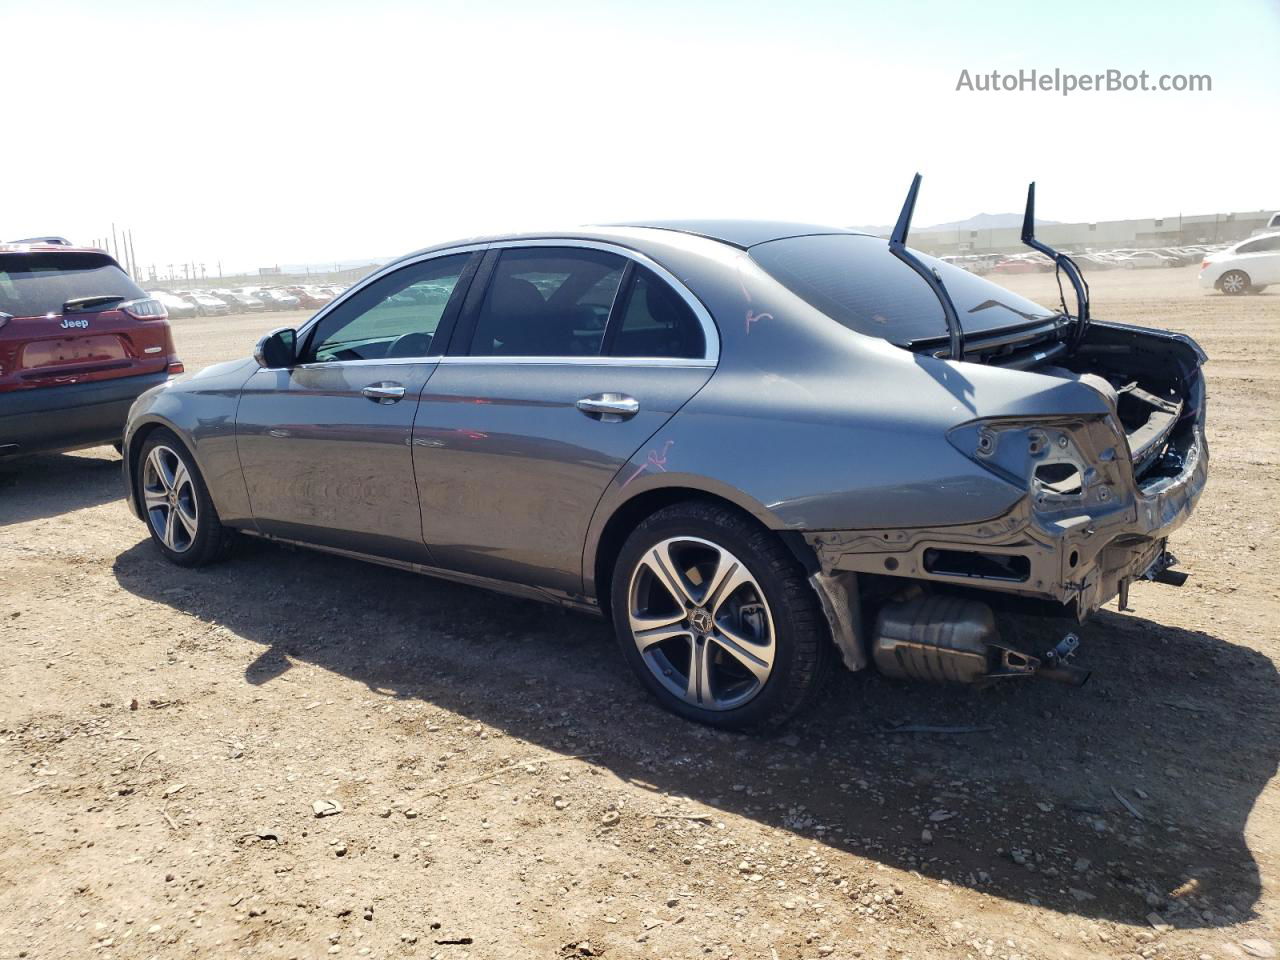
(169, 497)
(701, 623)
(1234, 282)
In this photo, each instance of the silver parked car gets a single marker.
(760, 448)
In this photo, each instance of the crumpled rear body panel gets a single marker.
(1078, 560)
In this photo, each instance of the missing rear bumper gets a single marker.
(1078, 559)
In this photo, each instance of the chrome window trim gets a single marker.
(515, 361)
(710, 333)
(586, 361)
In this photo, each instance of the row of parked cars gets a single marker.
(1127, 259)
(1247, 266)
(220, 302)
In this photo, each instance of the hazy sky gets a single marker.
(279, 132)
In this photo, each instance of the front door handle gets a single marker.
(609, 407)
(386, 392)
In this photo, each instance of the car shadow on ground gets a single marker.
(1123, 798)
(49, 485)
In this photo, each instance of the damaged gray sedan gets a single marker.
(761, 449)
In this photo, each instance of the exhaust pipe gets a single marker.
(945, 639)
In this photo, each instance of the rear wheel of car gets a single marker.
(175, 503)
(718, 619)
(1234, 283)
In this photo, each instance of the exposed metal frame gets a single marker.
(1061, 262)
(930, 275)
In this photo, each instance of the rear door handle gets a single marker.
(609, 407)
(386, 392)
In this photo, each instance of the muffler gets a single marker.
(946, 639)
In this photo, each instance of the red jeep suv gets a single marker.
(78, 342)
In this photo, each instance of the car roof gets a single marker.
(738, 233)
(647, 237)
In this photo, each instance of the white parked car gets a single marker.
(175, 306)
(1247, 267)
(1272, 225)
(1143, 259)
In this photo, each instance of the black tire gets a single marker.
(211, 540)
(801, 644)
(1234, 283)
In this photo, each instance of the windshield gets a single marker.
(34, 284)
(856, 281)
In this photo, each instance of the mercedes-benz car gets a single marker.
(760, 449)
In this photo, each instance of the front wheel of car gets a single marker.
(1234, 283)
(175, 503)
(717, 618)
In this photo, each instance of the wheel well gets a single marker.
(636, 510)
(135, 454)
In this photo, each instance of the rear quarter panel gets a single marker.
(809, 426)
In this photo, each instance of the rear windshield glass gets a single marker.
(33, 284)
(857, 282)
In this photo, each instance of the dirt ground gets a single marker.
(506, 789)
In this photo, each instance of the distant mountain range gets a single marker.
(982, 221)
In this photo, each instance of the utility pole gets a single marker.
(137, 275)
(219, 269)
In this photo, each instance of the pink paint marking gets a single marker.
(753, 317)
(653, 459)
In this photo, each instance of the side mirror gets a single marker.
(278, 349)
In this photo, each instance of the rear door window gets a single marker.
(547, 302)
(35, 284)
